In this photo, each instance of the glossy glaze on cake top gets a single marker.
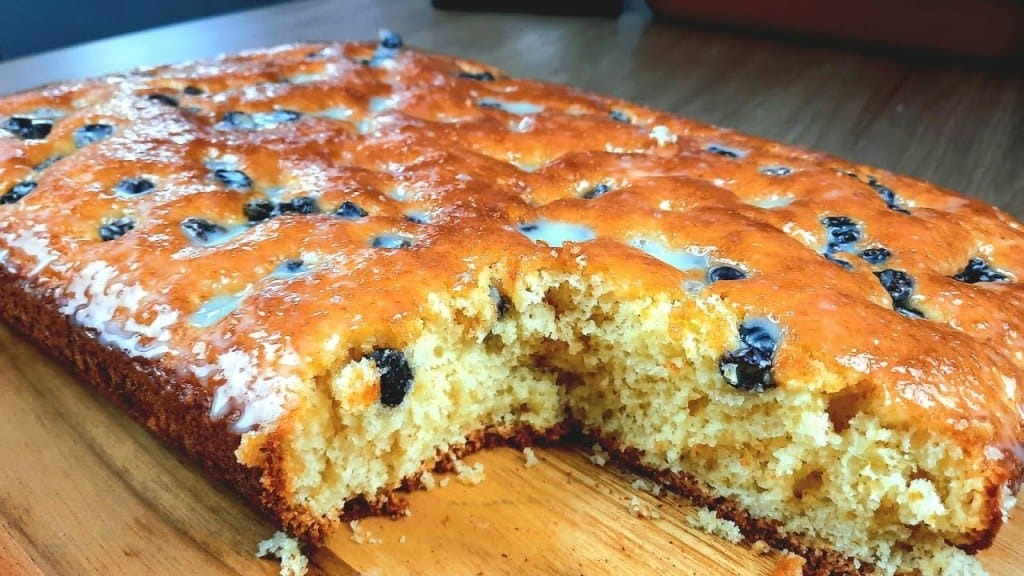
(258, 219)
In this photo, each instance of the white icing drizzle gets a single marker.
(678, 259)
(336, 113)
(772, 202)
(35, 243)
(378, 104)
(555, 233)
(306, 78)
(94, 298)
(259, 395)
(663, 135)
(215, 309)
(519, 108)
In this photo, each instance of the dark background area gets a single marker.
(976, 31)
(32, 26)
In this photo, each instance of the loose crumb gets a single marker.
(645, 486)
(760, 547)
(293, 562)
(709, 522)
(598, 456)
(470, 475)
(640, 509)
(428, 481)
(362, 536)
(401, 539)
(444, 482)
(789, 565)
(531, 457)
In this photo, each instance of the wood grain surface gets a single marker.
(84, 490)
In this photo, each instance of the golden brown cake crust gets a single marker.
(164, 403)
(149, 224)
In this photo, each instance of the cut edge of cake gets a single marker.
(546, 322)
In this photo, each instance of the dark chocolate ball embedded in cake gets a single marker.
(749, 367)
(977, 270)
(395, 375)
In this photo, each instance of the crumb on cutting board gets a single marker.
(598, 456)
(360, 536)
(470, 475)
(645, 486)
(760, 547)
(293, 562)
(706, 520)
(641, 509)
(531, 457)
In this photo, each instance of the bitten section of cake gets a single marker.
(361, 257)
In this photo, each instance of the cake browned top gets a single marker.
(255, 219)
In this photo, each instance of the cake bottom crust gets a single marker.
(819, 561)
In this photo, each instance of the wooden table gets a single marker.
(83, 490)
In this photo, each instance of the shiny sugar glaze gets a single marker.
(391, 173)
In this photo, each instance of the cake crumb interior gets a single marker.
(639, 374)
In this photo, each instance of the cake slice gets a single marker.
(323, 270)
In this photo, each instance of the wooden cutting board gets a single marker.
(84, 490)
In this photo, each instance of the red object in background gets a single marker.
(554, 7)
(989, 29)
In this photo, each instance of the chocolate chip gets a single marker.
(841, 230)
(619, 116)
(499, 300)
(91, 133)
(877, 255)
(50, 161)
(723, 151)
(200, 229)
(391, 242)
(484, 76)
(133, 186)
(17, 192)
(300, 205)
(350, 211)
(390, 40)
(234, 179)
(259, 209)
(749, 367)
(238, 120)
(900, 287)
(775, 171)
(977, 270)
(720, 273)
(887, 195)
(597, 191)
(395, 375)
(116, 229)
(292, 266)
(843, 263)
(162, 99)
(27, 128)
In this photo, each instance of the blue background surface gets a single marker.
(31, 26)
